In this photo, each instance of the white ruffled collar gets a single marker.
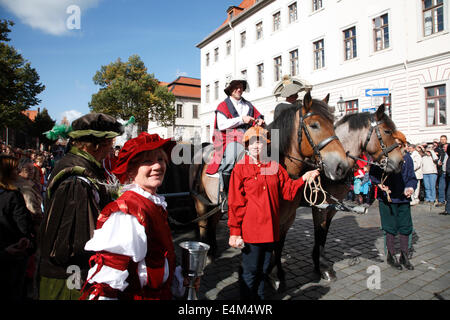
(155, 198)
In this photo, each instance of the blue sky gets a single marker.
(163, 33)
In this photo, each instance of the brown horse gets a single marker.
(358, 133)
(306, 135)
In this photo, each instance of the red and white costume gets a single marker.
(135, 255)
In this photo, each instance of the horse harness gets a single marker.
(316, 148)
(386, 150)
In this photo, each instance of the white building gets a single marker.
(187, 105)
(341, 47)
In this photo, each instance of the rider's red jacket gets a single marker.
(254, 199)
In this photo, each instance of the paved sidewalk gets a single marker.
(355, 245)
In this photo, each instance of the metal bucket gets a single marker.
(193, 257)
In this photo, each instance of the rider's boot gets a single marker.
(224, 194)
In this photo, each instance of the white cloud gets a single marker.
(70, 115)
(49, 16)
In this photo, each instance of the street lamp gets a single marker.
(341, 105)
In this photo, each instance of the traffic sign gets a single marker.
(378, 92)
(371, 110)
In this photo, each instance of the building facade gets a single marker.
(367, 52)
(187, 106)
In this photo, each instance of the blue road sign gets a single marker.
(379, 92)
(371, 110)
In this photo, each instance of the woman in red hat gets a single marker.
(135, 255)
(256, 187)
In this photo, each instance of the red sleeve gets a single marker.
(237, 201)
(288, 187)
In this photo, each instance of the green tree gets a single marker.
(42, 123)
(19, 82)
(127, 89)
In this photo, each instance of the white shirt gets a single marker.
(224, 123)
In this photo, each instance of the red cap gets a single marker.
(143, 142)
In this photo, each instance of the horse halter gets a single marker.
(316, 148)
(385, 150)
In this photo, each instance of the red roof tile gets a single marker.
(237, 10)
(185, 87)
(31, 114)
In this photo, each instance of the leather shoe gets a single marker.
(445, 213)
(405, 261)
(393, 262)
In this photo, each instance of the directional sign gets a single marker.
(379, 92)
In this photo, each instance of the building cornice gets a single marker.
(394, 67)
(236, 20)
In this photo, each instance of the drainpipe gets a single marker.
(234, 49)
(405, 64)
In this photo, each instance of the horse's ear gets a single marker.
(326, 99)
(380, 112)
(307, 101)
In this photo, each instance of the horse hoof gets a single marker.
(328, 275)
(209, 260)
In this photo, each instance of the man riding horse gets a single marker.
(289, 88)
(233, 117)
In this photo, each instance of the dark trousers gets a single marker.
(255, 265)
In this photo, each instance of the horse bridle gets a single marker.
(385, 150)
(318, 164)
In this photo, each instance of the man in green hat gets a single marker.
(75, 196)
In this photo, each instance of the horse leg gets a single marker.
(322, 266)
(211, 233)
(202, 224)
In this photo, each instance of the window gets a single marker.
(228, 47)
(260, 74)
(216, 90)
(179, 111)
(350, 43)
(207, 59)
(244, 74)
(433, 16)
(319, 55)
(293, 56)
(216, 54)
(277, 68)
(194, 111)
(436, 105)
(259, 31)
(243, 38)
(292, 12)
(351, 106)
(207, 93)
(317, 4)
(276, 21)
(388, 105)
(381, 32)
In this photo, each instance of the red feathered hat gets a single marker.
(143, 142)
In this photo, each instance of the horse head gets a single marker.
(318, 140)
(373, 133)
(382, 145)
(307, 135)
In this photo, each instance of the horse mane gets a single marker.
(285, 123)
(361, 120)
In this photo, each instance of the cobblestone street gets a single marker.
(355, 243)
